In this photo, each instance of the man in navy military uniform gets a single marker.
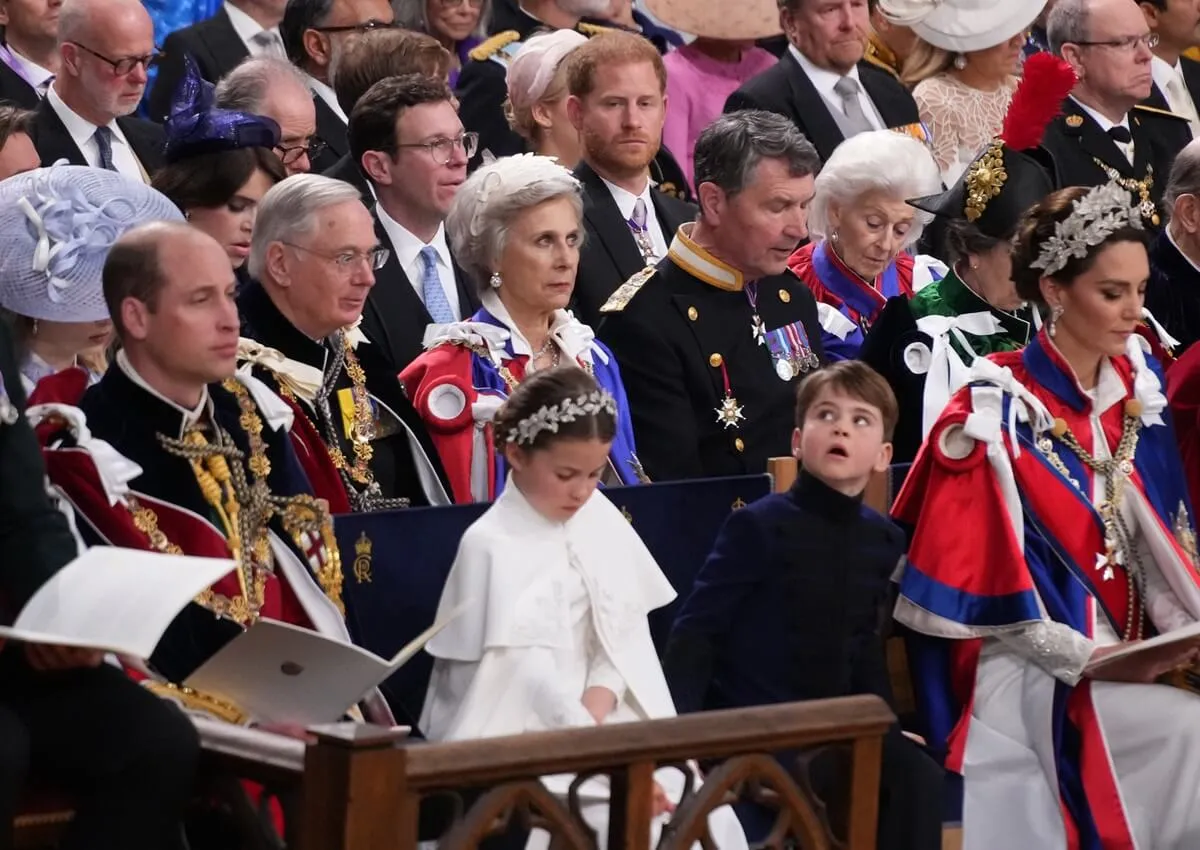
(712, 340)
(1104, 132)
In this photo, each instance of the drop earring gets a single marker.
(495, 281)
(1055, 314)
(960, 61)
(33, 330)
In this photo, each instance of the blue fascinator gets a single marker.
(58, 224)
(195, 125)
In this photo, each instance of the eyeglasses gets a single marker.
(454, 4)
(366, 26)
(126, 64)
(442, 149)
(346, 260)
(314, 147)
(1128, 44)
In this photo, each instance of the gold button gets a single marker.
(785, 296)
(693, 313)
(739, 445)
(715, 361)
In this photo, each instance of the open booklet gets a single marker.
(1149, 647)
(283, 674)
(114, 599)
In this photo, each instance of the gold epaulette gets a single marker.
(625, 292)
(592, 29)
(1154, 110)
(487, 49)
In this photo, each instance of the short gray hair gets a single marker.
(1067, 23)
(289, 209)
(1185, 175)
(245, 88)
(410, 15)
(729, 149)
(485, 206)
(885, 161)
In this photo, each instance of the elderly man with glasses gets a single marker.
(274, 89)
(314, 34)
(1105, 132)
(105, 49)
(313, 258)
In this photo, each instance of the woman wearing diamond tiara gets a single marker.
(557, 587)
(1061, 461)
(515, 227)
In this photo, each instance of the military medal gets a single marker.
(729, 412)
(791, 351)
(758, 329)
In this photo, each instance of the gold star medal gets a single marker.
(729, 412)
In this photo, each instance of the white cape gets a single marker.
(553, 607)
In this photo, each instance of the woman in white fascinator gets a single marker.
(537, 96)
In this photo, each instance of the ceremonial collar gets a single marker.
(702, 265)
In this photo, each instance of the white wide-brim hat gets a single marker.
(732, 20)
(58, 224)
(963, 26)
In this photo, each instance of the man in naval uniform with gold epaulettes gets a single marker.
(714, 339)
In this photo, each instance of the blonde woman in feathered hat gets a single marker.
(963, 70)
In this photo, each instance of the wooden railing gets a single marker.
(362, 786)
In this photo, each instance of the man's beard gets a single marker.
(605, 154)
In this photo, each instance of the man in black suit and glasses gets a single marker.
(822, 81)
(406, 136)
(105, 49)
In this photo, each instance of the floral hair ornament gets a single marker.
(59, 224)
(1094, 217)
(549, 417)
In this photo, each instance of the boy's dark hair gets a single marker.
(546, 389)
(857, 380)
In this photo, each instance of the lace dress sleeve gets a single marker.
(1056, 648)
(933, 97)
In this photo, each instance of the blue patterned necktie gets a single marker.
(431, 289)
(104, 143)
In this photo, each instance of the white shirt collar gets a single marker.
(1103, 121)
(245, 26)
(823, 80)
(1162, 72)
(1109, 388)
(327, 94)
(37, 76)
(190, 417)
(406, 247)
(79, 128)
(626, 199)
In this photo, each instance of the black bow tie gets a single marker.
(1120, 135)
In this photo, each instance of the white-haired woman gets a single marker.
(537, 95)
(515, 227)
(861, 224)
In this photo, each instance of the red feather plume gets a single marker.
(1045, 82)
